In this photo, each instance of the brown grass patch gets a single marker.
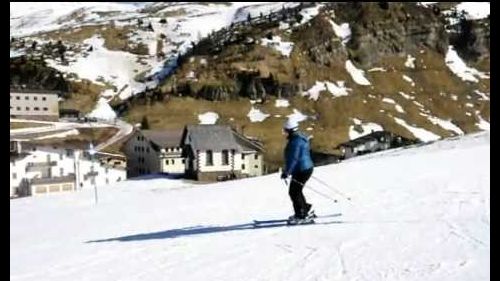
(84, 96)
(21, 125)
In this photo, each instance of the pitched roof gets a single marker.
(211, 137)
(164, 138)
(247, 145)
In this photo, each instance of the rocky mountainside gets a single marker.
(419, 70)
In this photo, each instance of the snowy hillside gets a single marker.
(186, 23)
(416, 214)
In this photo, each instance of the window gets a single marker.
(106, 170)
(27, 108)
(18, 108)
(107, 181)
(173, 161)
(44, 98)
(256, 156)
(18, 98)
(209, 159)
(36, 108)
(60, 156)
(26, 98)
(243, 166)
(242, 156)
(138, 138)
(69, 152)
(166, 162)
(45, 109)
(256, 166)
(225, 157)
(14, 175)
(147, 149)
(183, 161)
(35, 98)
(61, 172)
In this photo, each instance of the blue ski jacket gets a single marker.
(297, 154)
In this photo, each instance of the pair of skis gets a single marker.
(310, 219)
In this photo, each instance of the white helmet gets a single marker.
(291, 124)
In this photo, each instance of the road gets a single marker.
(58, 127)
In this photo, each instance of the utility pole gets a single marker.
(92, 153)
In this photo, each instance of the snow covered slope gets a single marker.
(186, 23)
(416, 214)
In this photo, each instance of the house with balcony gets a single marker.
(155, 151)
(39, 169)
(217, 152)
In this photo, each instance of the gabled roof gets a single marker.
(164, 138)
(247, 145)
(211, 137)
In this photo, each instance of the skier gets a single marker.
(299, 165)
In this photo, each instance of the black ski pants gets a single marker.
(296, 185)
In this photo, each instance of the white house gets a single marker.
(216, 152)
(34, 104)
(151, 152)
(37, 169)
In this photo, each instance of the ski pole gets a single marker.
(330, 187)
(318, 192)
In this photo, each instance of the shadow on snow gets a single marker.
(198, 230)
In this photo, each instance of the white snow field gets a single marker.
(421, 213)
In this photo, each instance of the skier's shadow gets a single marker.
(197, 230)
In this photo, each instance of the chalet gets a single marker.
(34, 104)
(375, 141)
(155, 151)
(216, 152)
